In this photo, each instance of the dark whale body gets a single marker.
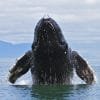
(50, 49)
(51, 60)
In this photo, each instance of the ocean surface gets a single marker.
(88, 46)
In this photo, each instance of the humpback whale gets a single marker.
(51, 60)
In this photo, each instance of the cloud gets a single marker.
(91, 1)
(19, 17)
(17, 38)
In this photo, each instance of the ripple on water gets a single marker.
(23, 90)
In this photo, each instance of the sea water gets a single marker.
(24, 90)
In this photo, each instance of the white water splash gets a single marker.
(76, 80)
(24, 82)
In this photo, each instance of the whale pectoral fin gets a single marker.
(83, 70)
(21, 67)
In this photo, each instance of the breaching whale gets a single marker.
(51, 60)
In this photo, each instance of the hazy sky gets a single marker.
(19, 17)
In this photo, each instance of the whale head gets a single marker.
(47, 31)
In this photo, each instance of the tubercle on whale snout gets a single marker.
(47, 30)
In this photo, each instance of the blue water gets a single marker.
(23, 89)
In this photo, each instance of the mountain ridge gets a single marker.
(13, 50)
